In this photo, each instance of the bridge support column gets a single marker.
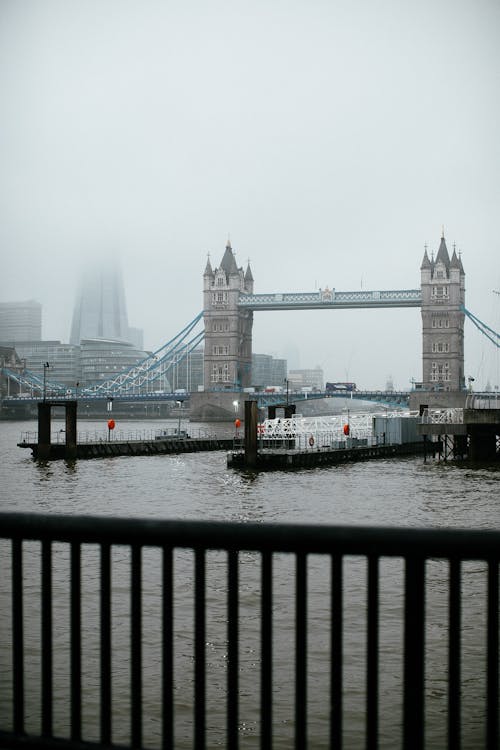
(459, 446)
(70, 408)
(44, 417)
(251, 418)
(482, 445)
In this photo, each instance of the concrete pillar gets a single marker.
(70, 409)
(251, 415)
(44, 414)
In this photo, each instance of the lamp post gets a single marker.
(286, 383)
(45, 368)
(179, 404)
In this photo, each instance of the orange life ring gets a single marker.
(311, 441)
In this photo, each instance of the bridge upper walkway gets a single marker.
(329, 298)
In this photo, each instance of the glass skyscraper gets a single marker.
(100, 311)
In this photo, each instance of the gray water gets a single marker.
(396, 492)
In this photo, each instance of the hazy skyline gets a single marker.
(330, 140)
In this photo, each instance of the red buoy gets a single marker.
(346, 429)
(237, 423)
(111, 424)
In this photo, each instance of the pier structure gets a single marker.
(44, 447)
(471, 432)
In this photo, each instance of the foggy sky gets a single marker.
(330, 140)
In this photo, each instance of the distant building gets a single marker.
(188, 372)
(63, 359)
(11, 361)
(100, 310)
(20, 321)
(298, 379)
(136, 337)
(104, 359)
(266, 370)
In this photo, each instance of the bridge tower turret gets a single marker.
(443, 298)
(228, 330)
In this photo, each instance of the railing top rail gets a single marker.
(476, 544)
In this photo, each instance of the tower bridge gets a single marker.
(229, 303)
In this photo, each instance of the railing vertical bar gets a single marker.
(47, 661)
(454, 625)
(76, 642)
(105, 604)
(136, 646)
(233, 651)
(413, 701)
(372, 655)
(17, 636)
(492, 657)
(168, 650)
(301, 653)
(336, 646)
(199, 651)
(266, 680)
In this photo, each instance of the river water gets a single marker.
(395, 492)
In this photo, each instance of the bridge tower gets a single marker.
(228, 329)
(443, 298)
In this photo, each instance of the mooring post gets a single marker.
(251, 418)
(43, 450)
(70, 409)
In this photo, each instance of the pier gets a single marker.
(45, 448)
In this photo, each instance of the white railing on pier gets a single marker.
(311, 433)
(443, 416)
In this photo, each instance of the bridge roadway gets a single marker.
(263, 399)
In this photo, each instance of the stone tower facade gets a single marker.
(443, 300)
(228, 330)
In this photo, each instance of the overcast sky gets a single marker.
(331, 140)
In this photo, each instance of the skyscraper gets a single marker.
(100, 310)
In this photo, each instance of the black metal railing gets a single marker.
(75, 550)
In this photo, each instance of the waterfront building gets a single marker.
(228, 328)
(443, 300)
(100, 310)
(20, 321)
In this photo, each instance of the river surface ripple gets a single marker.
(393, 492)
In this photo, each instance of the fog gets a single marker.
(330, 140)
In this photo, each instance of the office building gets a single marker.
(20, 321)
(312, 378)
(268, 371)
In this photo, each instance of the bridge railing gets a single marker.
(71, 585)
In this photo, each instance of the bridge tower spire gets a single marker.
(443, 300)
(228, 329)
